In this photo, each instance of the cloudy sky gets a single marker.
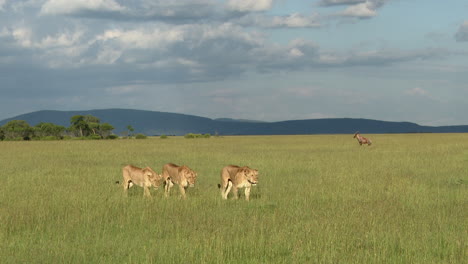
(271, 60)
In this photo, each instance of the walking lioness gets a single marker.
(142, 177)
(180, 175)
(234, 177)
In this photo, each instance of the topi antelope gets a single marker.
(362, 140)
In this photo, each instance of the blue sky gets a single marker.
(271, 60)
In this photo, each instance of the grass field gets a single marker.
(320, 199)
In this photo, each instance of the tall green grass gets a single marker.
(321, 199)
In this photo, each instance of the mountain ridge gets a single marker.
(158, 123)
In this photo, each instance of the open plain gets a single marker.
(320, 199)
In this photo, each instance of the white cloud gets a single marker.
(249, 5)
(22, 35)
(125, 89)
(362, 10)
(340, 2)
(167, 11)
(462, 33)
(417, 91)
(106, 56)
(379, 57)
(176, 9)
(21, 6)
(66, 39)
(189, 50)
(294, 20)
(141, 47)
(229, 30)
(53, 51)
(2, 3)
(186, 62)
(67, 7)
(295, 52)
(143, 39)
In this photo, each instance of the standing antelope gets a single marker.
(362, 140)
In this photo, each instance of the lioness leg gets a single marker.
(126, 180)
(168, 187)
(247, 193)
(146, 192)
(126, 185)
(234, 191)
(223, 188)
(182, 191)
(227, 190)
(225, 185)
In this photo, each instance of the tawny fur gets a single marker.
(180, 175)
(142, 177)
(234, 177)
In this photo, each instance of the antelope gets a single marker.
(362, 140)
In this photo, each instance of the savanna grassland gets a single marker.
(320, 199)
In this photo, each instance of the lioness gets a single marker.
(234, 177)
(142, 177)
(180, 175)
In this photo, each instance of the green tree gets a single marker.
(93, 128)
(84, 125)
(93, 123)
(17, 129)
(140, 136)
(48, 129)
(89, 125)
(2, 134)
(105, 130)
(78, 123)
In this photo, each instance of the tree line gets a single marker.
(81, 126)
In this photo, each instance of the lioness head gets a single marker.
(155, 178)
(190, 175)
(251, 175)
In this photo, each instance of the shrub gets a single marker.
(163, 137)
(113, 136)
(189, 135)
(14, 139)
(192, 135)
(95, 136)
(140, 136)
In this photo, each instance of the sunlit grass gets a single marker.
(321, 199)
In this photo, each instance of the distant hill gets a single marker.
(158, 123)
(238, 120)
